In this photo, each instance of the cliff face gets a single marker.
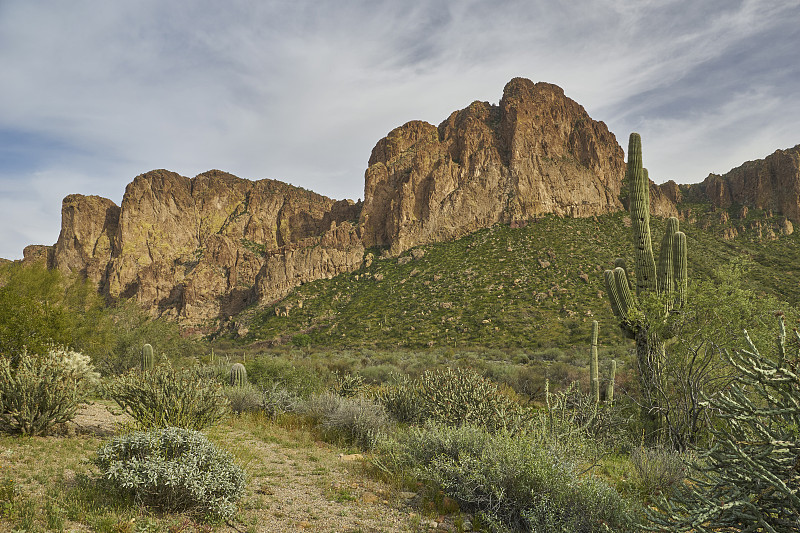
(772, 183)
(194, 248)
(536, 152)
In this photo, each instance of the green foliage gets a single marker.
(695, 366)
(508, 481)
(40, 308)
(131, 328)
(348, 385)
(750, 477)
(169, 397)
(358, 421)
(453, 396)
(298, 379)
(175, 470)
(238, 375)
(657, 470)
(244, 399)
(39, 391)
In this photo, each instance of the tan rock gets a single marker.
(536, 152)
(88, 226)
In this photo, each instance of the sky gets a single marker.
(94, 93)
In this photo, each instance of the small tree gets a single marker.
(750, 478)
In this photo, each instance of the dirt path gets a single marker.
(297, 484)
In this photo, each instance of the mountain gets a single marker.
(202, 249)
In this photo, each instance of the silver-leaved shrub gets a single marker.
(173, 469)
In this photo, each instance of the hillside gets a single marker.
(529, 287)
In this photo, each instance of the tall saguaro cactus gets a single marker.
(660, 287)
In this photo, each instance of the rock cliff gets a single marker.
(194, 248)
(536, 152)
(772, 183)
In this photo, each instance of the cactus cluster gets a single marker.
(594, 371)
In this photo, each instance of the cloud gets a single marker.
(95, 94)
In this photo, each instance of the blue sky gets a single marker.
(94, 93)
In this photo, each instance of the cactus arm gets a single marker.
(612, 376)
(666, 259)
(639, 185)
(679, 256)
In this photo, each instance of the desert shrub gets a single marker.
(357, 420)
(400, 398)
(175, 470)
(166, 396)
(276, 400)
(570, 411)
(657, 470)
(300, 380)
(749, 477)
(452, 396)
(507, 480)
(244, 399)
(462, 396)
(348, 385)
(39, 391)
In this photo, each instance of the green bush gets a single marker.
(244, 399)
(507, 480)
(357, 420)
(175, 470)
(300, 380)
(39, 391)
(455, 397)
(166, 397)
(751, 475)
(657, 470)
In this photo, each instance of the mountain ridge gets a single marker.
(202, 249)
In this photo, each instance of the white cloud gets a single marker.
(301, 91)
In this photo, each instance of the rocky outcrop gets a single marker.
(338, 250)
(536, 152)
(88, 226)
(38, 253)
(772, 183)
(194, 248)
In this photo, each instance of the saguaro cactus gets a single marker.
(147, 358)
(594, 376)
(660, 288)
(238, 375)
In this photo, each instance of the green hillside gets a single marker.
(534, 287)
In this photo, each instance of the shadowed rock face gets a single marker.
(536, 152)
